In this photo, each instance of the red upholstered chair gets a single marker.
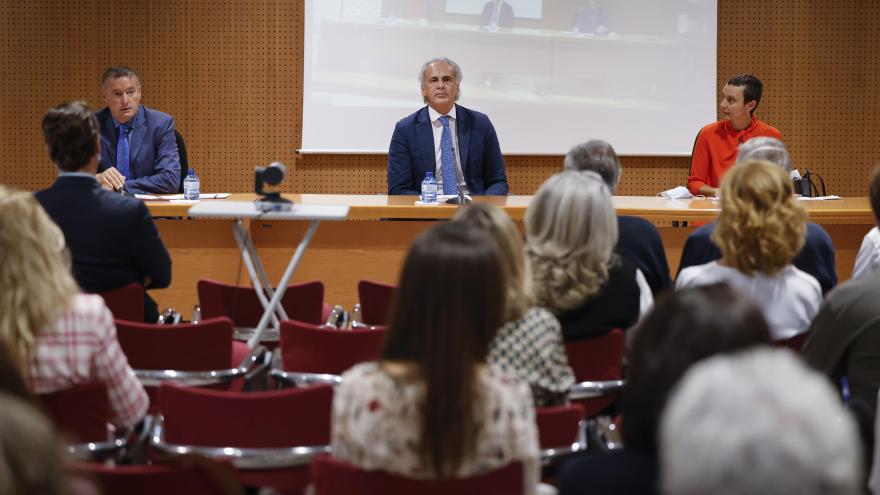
(191, 476)
(334, 477)
(303, 302)
(82, 415)
(315, 349)
(560, 429)
(194, 354)
(375, 300)
(794, 343)
(596, 364)
(126, 303)
(268, 436)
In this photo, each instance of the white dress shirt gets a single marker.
(868, 258)
(789, 299)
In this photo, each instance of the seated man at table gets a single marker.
(817, 255)
(112, 239)
(638, 239)
(496, 14)
(450, 140)
(138, 145)
(716, 145)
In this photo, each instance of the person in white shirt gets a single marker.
(760, 230)
(868, 258)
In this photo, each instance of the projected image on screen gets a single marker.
(520, 8)
(637, 73)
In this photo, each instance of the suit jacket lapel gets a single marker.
(425, 134)
(135, 140)
(108, 145)
(463, 128)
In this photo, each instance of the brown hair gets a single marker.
(761, 225)
(71, 132)
(447, 310)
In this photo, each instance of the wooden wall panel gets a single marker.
(231, 74)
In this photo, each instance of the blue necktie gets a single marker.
(447, 159)
(122, 152)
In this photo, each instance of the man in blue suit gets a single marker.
(443, 137)
(111, 237)
(138, 146)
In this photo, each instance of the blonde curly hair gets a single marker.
(501, 228)
(761, 225)
(37, 286)
(571, 230)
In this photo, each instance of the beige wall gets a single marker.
(231, 74)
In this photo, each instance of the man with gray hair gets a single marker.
(638, 239)
(758, 422)
(817, 255)
(138, 145)
(457, 144)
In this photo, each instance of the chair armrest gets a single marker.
(298, 379)
(553, 455)
(589, 390)
(241, 458)
(356, 325)
(154, 378)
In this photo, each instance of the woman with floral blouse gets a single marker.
(430, 408)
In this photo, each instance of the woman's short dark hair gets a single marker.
(447, 310)
(684, 327)
(71, 132)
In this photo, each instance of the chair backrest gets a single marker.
(81, 413)
(303, 302)
(558, 426)
(334, 477)
(184, 161)
(189, 475)
(596, 359)
(202, 346)
(312, 349)
(126, 303)
(273, 419)
(375, 299)
(794, 343)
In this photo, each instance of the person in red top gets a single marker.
(717, 143)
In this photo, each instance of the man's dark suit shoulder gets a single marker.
(639, 240)
(112, 238)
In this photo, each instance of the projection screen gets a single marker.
(637, 73)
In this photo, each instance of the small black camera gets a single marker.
(271, 175)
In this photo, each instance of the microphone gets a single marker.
(461, 199)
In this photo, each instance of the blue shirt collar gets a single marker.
(62, 173)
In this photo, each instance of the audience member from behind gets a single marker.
(530, 343)
(868, 258)
(760, 229)
(716, 145)
(431, 407)
(571, 231)
(112, 238)
(729, 430)
(31, 458)
(138, 146)
(61, 338)
(683, 328)
(817, 255)
(637, 238)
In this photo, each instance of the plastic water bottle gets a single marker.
(429, 189)
(191, 185)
